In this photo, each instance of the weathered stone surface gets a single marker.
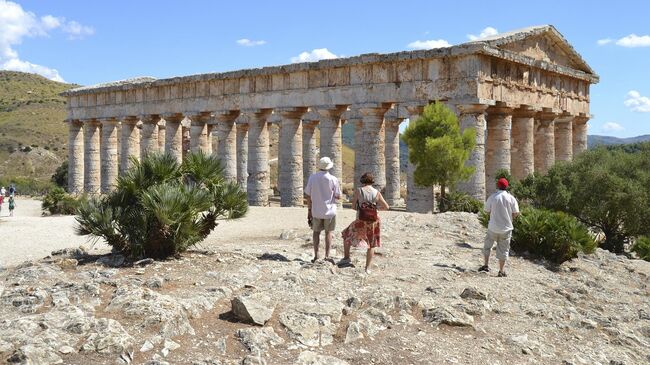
(448, 316)
(258, 340)
(473, 293)
(313, 358)
(256, 308)
(308, 330)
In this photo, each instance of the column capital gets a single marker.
(110, 120)
(73, 122)
(149, 118)
(581, 118)
(202, 117)
(500, 110)
(471, 108)
(130, 119)
(258, 113)
(373, 109)
(173, 117)
(526, 111)
(291, 112)
(547, 115)
(91, 121)
(331, 111)
(226, 116)
(311, 124)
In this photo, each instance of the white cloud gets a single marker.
(315, 55)
(249, 43)
(602, 42)
(612, 127)
(634, 40)
(636, 102)
(17, 24)
(487, 32)
(432, 43)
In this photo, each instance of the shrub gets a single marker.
(160, 207)
(642, 247)
(459, 202)
(60, 176)
(57, 201)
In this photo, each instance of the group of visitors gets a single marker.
(323, 191)
(10, 196)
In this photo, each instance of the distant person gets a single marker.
(503, 209)
(12, 205)
(2, 199)
(12, 190)
(365, 231)
(3, 191)
(322, 192)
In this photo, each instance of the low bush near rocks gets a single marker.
(642, 247)
(57, 201)
(459, 202)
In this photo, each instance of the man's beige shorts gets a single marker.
(328, 225)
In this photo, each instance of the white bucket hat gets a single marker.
(325, 163)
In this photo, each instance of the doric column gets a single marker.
(330, 136)
(564, 138)
(258, 157)
(129, 143)
(473, 116)
(149, 141)
(92, 164)
(579, 134)
(523, 142)
(75, 157)
(419, 199)
(497, 147)
(199, 132)
(358, 146)
(372, 154)
(109, 161)
(392, 192)
(162, 135)
(211, 128)
(174, 135)
(309, 150)
(544, 141)
(242, 155)
(227, 144)
(290, 157)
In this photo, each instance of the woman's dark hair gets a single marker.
(367, 179)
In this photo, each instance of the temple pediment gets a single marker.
(542, 43)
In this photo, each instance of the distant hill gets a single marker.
(595, 140)
(33, 138)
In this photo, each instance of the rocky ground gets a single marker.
(251, 296)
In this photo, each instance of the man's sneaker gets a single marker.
(345, 262)
(484, 268)
(502, 274)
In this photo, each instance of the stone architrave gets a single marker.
(392, 191)
(331, 144)
(419, 199)
(564, 138)
(227, 144)
(199, 132)
(309, 150)
(92, 160)
(372, 155)
(242, 155)
(497, 146)
(75, 157)
(258, 157)
(544, 141)
(149, 133)
(129, 143)
(473, 116)
(523, 142)
(174, 135)
(109, 160)
(290, 157)
(579, 134)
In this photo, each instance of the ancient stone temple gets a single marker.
(525, 92)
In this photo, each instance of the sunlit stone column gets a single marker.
(75, 157)
(199, 132)
(564, 138)
(109, 161)
(473, 116)
(211, 128)
(544, 141)
(174, 135)
(227, 144)
(290, 157)
(242, 155)
(162, 136)
(358, 146)
(523, 141)
(497, 147)
(129, 143)
(331, 144)
(392, 192)
(92, 160)
(258, 157)
(579, 134)
(309, 150)
(372, 154)
(149, 140)
(419, 199)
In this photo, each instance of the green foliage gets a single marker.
(437, 147)
(26, 185)
(505, 174)
(642, 247)
(57, 201)
(459, 202)
(60, 176)
(160, 207)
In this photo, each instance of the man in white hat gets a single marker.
(322, 191)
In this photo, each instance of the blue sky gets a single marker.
(88, 42)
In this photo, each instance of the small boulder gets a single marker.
(473, 293)
(447, 315)
(254, 308)
(312, 358)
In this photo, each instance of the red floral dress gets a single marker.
(362, 234)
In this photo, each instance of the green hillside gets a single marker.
(33, 137)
